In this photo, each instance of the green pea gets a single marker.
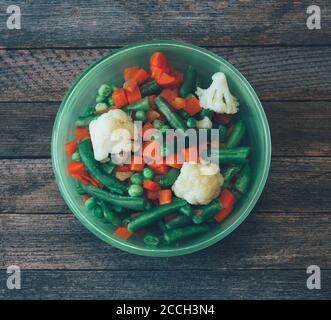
(164, 128)
(148, 174)
(191, 122)
(110, 101)
(135, 190)
(90, 203)
(157, 124)
(104, 90)
(76, 156)
(98, 213)
(141, 116)
(137, 178)
(99, 99)
(101, 106)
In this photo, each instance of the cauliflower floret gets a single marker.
(197, 187)
(111, 133)
(205, 123)
(218, 97)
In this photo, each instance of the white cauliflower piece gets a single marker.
(205, 123)
(197, 187)
(111, 133)
(218, 97)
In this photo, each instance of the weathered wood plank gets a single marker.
(235, 284)
(117, 23)
(294, 185)
(276, 73)
(25, 128)
(263, 241)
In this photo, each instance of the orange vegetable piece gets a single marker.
(130, 72)
(137, 164)
(178, 103)
(152, 115)
(151, 101)
(166, 80)
(119, 98)
(130, 85)
(76, 168)
(192, 106)
(159, 59)
(151, 185)
(133, 96)
(152, 195)
(123, 233)
(141, 76)
(82, 133)
(169, 94)
(71, 148)
(222, 215)
(165, 196)
(159, 168)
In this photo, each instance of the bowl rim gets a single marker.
(129, 247)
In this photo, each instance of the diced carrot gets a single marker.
(179, 78)
(152, 115)
(165, 196)
(222, 118)
(123, 168)
(81, 179)
(174, 161)
(227, 199)
(119, 98)
(137, 163)
(76, 168)
(123, 233)
(147, 126)
(222, 215)
(130, 85)
(169, 94)
(159, 168)
(178, 103)
(151, 101)
(71, 148)
(101, 111)
(152, 195)
(141, 76)
(130, 72)
(81, 133)
(133, 96)
(93, 181)
(151, 185)
(192, 106)
(158, 59)
(156, 72)
(166, 80)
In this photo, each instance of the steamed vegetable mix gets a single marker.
(137, 166)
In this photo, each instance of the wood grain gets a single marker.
(25, 128)
(294, 185)
(276, 73)
(234, 284)
(98, 23)
(263, 241)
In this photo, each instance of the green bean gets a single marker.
(237, 134)
(230, 155)
(137, 178)
(80, 190)
(222, 132)
(86, 153)
(174, 235)
(142, 104)
(90, 203)
(133, 203)
(228, 174)
(161, 226)
(98, 212)
(135, 190)
(169, 179)
(85, 121)
(183, 114)
(118, 209)
(153, 215)
(188, 85)
(150, 88)
(206, 212)
(148, 173)
(242, 183)
(90, 111)
(108, 167)
(110, 101)
(151, 239)
(108, 215)
(186, 210)
(173, 118)
(178, 221)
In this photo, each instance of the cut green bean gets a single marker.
(90, 203)
(222, 133)
(237, 134)
(178, 234)
(229, 173)
(133, 203)
(150, 88)
(85, 121)
(108, 167)
(188, 85)
(230, 155)
(186, 210)
(169, 179)
(206, 212)
(173, 118)
(151, 239)
(108, 215)
(97, 211)
(153, 215)
(242, 183)
(176, 222)
(141, 105)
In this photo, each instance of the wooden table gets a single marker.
(267, 256)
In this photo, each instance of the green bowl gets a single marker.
(110, 69)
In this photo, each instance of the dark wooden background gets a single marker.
(290, 68)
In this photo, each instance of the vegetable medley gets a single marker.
(160, 159)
